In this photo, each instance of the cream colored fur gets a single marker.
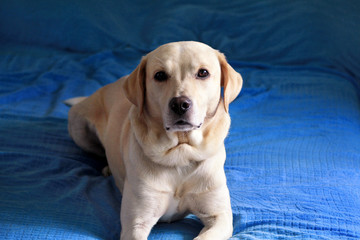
(165, 168)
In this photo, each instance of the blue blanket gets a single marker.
(293, 152)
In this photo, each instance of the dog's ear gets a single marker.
(134, 85)
(231, 81)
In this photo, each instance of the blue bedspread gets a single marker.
(293, 151)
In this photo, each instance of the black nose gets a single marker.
(180, 105)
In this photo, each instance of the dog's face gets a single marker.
(179, 84)
(182, 85)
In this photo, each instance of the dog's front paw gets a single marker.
(203, 238)
(208, 237)
(198, 238)
(215, 233)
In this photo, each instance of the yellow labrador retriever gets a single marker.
(162, 129)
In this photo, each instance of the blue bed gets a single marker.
(293, 151)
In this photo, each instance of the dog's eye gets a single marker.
(161, 76)
(202, 73)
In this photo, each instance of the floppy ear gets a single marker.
(230, 80)
(134, 85)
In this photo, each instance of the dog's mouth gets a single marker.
(182, 125)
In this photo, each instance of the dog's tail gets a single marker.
(72, 101)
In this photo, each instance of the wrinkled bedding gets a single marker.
(293, 152)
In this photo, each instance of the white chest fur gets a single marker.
(172, 212)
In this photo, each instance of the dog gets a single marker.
(162, 130)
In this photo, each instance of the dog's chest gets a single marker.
(172, 212)
(176, 201)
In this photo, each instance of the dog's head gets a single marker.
(179, 84)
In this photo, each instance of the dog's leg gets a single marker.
(140, 211)
(217, 227)
(216, 217)
(83, 132)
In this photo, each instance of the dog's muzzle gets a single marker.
(180, 112)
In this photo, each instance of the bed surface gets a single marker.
(293, 152)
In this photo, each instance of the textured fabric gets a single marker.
(293, 152)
